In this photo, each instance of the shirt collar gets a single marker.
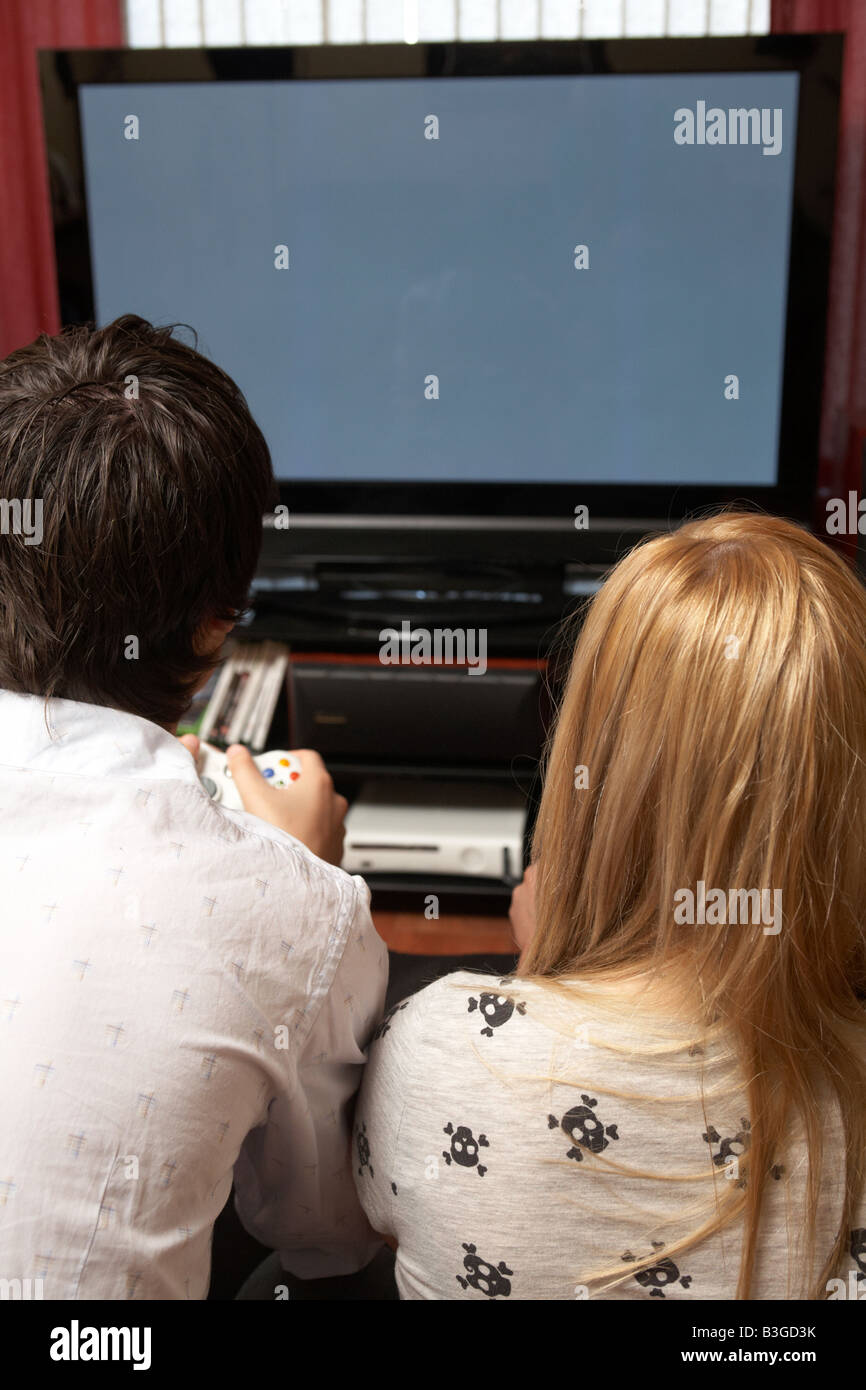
(90, 740)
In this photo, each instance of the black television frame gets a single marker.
(449, 519)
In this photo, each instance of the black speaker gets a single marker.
(359, 712)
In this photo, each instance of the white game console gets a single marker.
(279, 768)
(427, 828)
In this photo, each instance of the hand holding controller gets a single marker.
(279, 768)
(313, 813)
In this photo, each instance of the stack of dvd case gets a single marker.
(241, 696)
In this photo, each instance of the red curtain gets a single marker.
(843, 426)
(28, 284)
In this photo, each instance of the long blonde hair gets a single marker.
(717, 700)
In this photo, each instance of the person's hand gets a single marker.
(310, 809)
(521, 914)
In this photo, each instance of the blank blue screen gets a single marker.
(412, 258)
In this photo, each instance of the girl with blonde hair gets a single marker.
(669, 1099)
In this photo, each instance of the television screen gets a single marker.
(509, 279)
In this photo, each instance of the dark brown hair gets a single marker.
(153, 478)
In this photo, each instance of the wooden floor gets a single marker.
(411, 934)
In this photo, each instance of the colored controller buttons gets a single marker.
(279, 769)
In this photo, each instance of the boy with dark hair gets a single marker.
(186, 991)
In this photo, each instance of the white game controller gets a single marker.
(279, 768)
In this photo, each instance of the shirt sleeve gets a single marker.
(393, 1068)
(293, 1179)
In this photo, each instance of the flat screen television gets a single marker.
(469, 288)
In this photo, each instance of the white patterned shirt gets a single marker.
(186, 994)
(524, 1143)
